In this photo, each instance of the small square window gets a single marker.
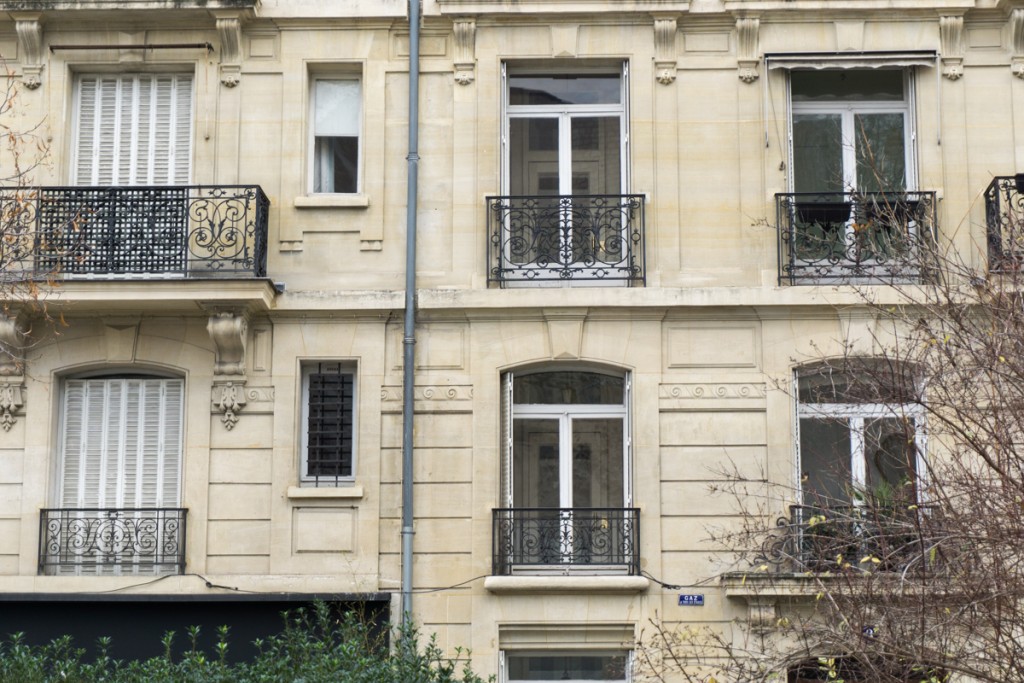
(328, 423)
(337, 120)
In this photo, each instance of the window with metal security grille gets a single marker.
(119, 479)
(328, 447)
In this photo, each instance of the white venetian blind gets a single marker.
(133, 129)
(121, 443)
(337, 109)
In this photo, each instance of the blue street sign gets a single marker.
(691, 600)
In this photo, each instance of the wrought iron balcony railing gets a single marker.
(134, 232)
(1004, 216)
(589, 238)
(111, 541)
(870, 538)
(872, 237)
(566, 540)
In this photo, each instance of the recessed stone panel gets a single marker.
(712, 346)
(323, 529)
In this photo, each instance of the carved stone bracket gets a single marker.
(1017, 38)
(13, 335)
(747, 44)
(228, 331)
(951, 36)
(229, 29)
(464, 30)
(30, 44)
(665, 61)
(11, 400)
(762, 612)
(229, 399)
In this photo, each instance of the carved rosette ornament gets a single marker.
(464, 31)
(1017, 38)
(229, 398)
(747, 43)
(665, 62)
(951, 37)
(30, 44)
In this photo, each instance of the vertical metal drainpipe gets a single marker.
(409, 335)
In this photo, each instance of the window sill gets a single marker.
(332, 201)
(566, 584)
(324, 493)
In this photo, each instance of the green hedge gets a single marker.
(314, 647)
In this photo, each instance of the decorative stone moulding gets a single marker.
(229, 399)
(228, 331)
(464, 30)
(11, 401)
(1017, 38)
(229, 29)
(747, 37)
(30, 45)
(665, 55)
(951, 37)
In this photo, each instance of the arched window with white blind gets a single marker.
(119, 478)
(132, 129)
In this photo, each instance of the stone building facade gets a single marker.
(615, 288)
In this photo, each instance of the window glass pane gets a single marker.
(569, 89)
(335, 164)
(533, 156)
(568, 387)
(596, 155)
(337, 106)
(595, 667)
(891, 453)
(535, 469)
(881, 154)
(336, 123)
(836, 85)
(597, 463)
(818, 153)
(825, 460)
(857, 380)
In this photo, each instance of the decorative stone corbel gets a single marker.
(229, 399)
(11, 401)
(229, 29)
(951, 37)
(762, 613)
(747, 37)
(464, 30)
(228, 331)
(30, 45)
(665, 57)
(1017, 38)
(13, 334)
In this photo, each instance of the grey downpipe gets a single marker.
(409, 335)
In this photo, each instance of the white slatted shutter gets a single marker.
(133, 129)
(121, 443)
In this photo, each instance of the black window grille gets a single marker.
(330, 423)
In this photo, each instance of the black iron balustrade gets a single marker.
(871, 237)
(566, 238)
(566, 539)
(134, 232)
(1004, 217)
(112, 541)
(858, 538)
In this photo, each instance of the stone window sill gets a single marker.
(324, 493)
(332, 201)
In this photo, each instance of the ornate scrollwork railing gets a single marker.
(837, 538)
(566, 538)
(854, 237)
(112, 541)
(1004, 217)
(566, 238)
(134, 232)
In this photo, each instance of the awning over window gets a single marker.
(849, 60)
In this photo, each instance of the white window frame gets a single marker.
(314, 79)
(307, 368)
(857, 414)
(128, 85)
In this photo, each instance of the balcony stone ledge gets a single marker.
(566, 584)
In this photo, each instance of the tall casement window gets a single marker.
(566, 215)
(337, 120)
(132, 129)
(860, 441)
(328, 421)
(119, 478)
(566, 474)
(854, 210)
